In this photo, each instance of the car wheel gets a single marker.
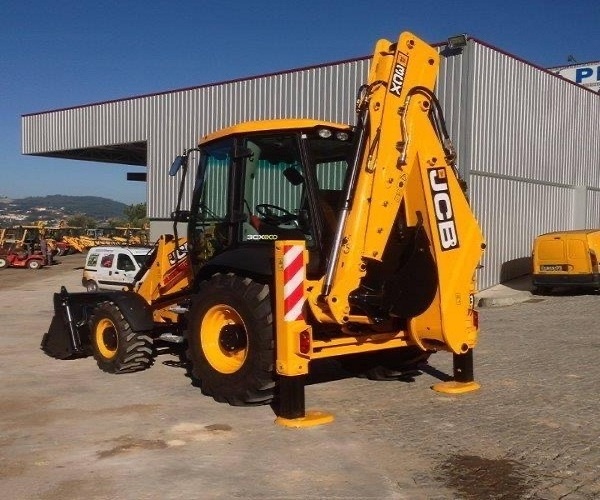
(34, 264)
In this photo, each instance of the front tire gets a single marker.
(34, 264)
(91, 286)
(231, 340)
(3, 263)
(116, 348)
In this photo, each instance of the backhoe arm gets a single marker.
(404, 189)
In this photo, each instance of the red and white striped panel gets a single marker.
(293, 282)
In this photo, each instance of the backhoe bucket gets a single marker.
(63, 339)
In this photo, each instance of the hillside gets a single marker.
(92, 206)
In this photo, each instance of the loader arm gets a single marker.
(165, 278)
(404, 177)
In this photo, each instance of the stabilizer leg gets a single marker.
(463, 376)
(291, 411)
(293, 337)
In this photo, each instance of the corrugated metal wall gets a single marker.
(182, 117)
(117, 122)
(528, 142)
(534, 150)
(592, 206)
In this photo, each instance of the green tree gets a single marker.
(81, 220)
(135, 215)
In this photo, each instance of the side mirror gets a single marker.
(293, 176)
(178, 162)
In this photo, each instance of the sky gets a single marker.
(68, 53)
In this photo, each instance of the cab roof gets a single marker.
(271, 125)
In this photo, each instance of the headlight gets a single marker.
(324, 133)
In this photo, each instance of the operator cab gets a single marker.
(270, 180)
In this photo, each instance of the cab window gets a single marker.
(216, 164)
(208, 227)
(274, 191)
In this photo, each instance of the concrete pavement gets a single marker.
(70, 431)
(506, 294)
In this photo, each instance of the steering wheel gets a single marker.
(274, 215)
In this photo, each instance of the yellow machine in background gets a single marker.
(566, 258)
(306, 240)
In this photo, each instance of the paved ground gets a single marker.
(70, 431)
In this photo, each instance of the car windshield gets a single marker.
(141, 259)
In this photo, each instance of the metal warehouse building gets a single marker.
(528, 141)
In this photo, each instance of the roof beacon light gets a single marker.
(457, 41)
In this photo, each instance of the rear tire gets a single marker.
(34, 264)
(231, 340)
(115, 347)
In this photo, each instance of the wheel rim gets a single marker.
(224, 339)
(34, 264)
(106, 338)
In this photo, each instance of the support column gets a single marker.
(291, 402)
(580, 207)
(463, 367)
(463, 376)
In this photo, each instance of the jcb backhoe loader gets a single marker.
(306, 240)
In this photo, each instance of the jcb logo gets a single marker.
(443, 208)
(178, 254)
(398, 75)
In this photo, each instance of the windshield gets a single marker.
(208, 227)
(211, 188)
(141, 259)
(261, 187)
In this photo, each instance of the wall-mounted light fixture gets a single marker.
(457, 41)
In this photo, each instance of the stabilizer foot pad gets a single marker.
(310, 419)
(452, 387)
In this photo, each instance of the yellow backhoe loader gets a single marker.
(305, 240)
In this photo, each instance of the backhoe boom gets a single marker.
(407, 243)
